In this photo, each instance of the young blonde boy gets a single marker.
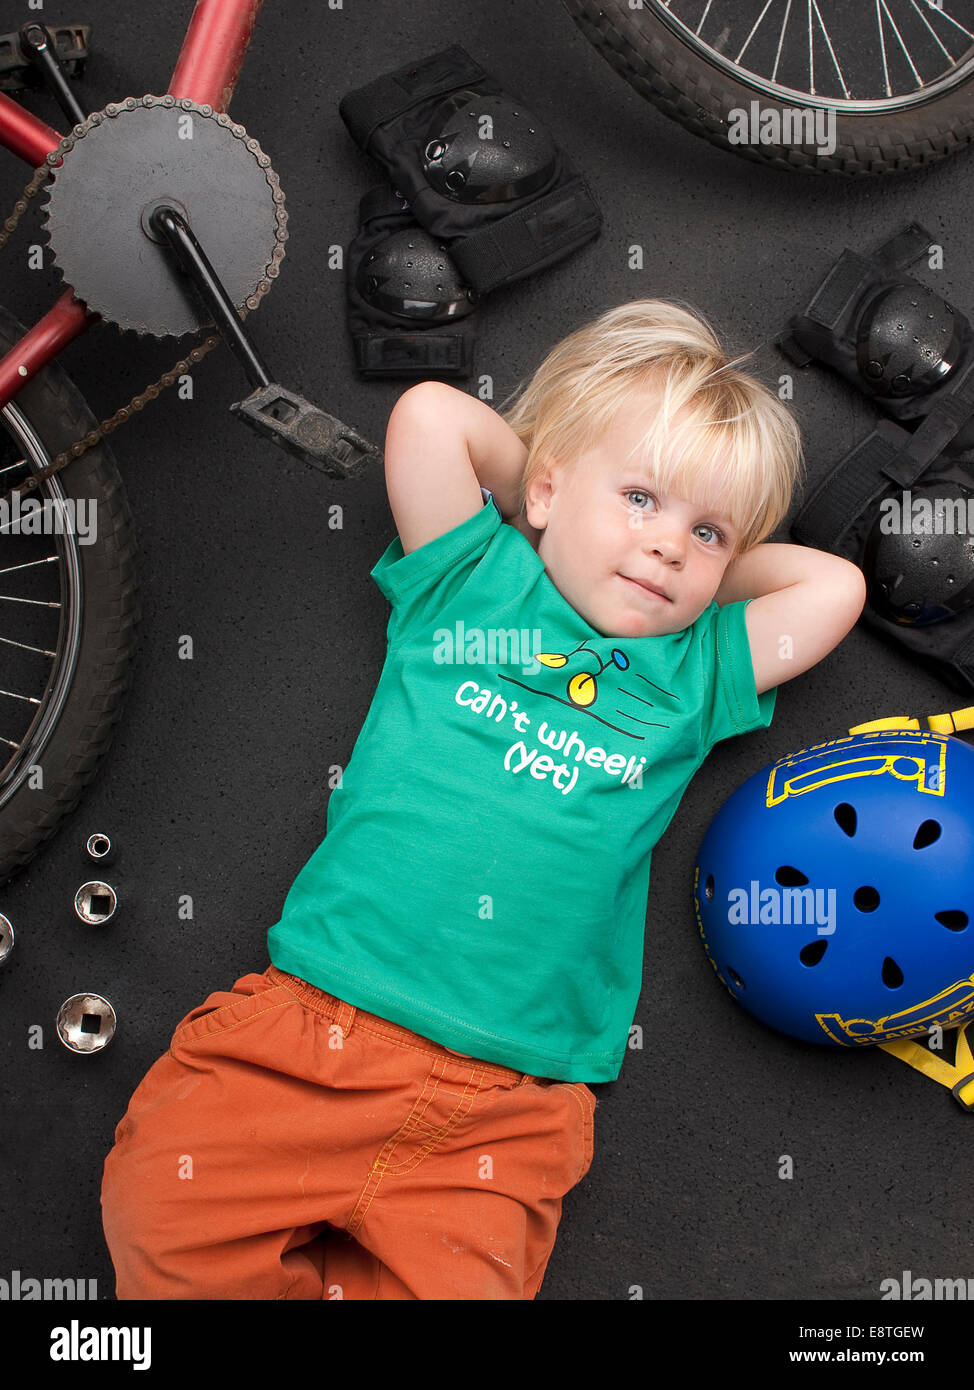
(396, 1107)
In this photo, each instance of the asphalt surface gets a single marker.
(216, 785)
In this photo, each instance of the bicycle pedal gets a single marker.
(302, 429)
(70, 46)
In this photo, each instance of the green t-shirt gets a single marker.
(485, 870)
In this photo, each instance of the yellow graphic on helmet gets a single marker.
(920, 758)
(948, 1008)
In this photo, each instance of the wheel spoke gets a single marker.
(37, 602)
(887, 55)
(757, 25)
(845, 89)
(951, 20)
(933, 32)
(781, 39)
(882, 45)
(31, 699)
(26, 647)
(899, 37)
(9, 569)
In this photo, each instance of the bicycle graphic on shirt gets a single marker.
(583, 688)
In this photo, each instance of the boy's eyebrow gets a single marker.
(636, 473)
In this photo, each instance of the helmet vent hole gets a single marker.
(813, 952)
(736, 978)
(892, 974)
(790, 877)
(928, 832)
(954, 920)
(866, 899)
(845, 816)
(708, 888)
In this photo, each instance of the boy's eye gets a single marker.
(720, 538)
(714, 531)
(637, 492)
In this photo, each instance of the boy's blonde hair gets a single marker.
(718, 439)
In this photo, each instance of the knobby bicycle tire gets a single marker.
(700, 96)
(110, 618)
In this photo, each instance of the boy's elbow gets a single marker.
(859, 588)
(853, 600)
(422, 393)
(840, 599)
(850, 585)
(854, 583)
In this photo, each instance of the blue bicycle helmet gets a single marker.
(834, 889)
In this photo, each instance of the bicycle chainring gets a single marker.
(121, 162)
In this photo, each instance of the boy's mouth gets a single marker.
(647, 587)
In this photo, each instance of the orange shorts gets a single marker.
(288, 1145)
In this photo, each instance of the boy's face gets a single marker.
(605, 527)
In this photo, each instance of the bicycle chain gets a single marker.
(125, 412)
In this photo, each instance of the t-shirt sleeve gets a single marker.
(421, 584)
(734, 706)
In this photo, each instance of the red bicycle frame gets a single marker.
(206, 71)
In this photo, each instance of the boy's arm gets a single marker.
(441, 446)
(805, 602)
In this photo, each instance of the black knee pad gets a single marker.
(900, 341)
(408, 309)
(908, 339)
(922, 571)
(894, 338)
(478, 169)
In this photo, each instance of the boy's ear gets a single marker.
(537, 496)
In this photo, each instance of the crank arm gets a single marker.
(39, 45)
(305, 431)
(270, 409)
(19, 67)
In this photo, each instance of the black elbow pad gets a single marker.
(479, 170)
(408, 310)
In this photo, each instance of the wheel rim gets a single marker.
(875, 57)
(25, 654)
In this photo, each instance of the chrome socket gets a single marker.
(6, 938)
(99, 847)
(95, 902)
(86, 1023)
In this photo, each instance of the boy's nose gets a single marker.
(667, 542)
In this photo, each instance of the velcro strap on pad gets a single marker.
(845, 281)
(842, 497)
(388, 96)
(905, 247)
(388, 354)
(529, 239)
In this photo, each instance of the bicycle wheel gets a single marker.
(69, 613)
(887, 86)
